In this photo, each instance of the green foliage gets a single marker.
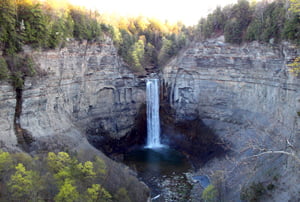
(85, 26)
(268, 23)
(291, 29)
(32, 23)
(5, 162)
(232, 32)
(17, 80)
(22, 183)
(67, 192)
(9, 38)
(146, 42)
(99, 166)
(210, 194)
(20, 66)
(295, 66)
(295, 6)
(60, 30)
(4, 72)
(43, 25)
(86, 169)
(237, 22)
(214, 23)
(136, 54)
(58, 162)
(254, 30)
(262, 21)
(122, 195)
(58, 177)
(97, 193)
(165, 52)
(23, 158)
(141, 42)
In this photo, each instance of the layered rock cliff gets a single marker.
(86, 87)
(248, 97)
(85, 90)
(7, 107)
(245, 94)
(87, 84)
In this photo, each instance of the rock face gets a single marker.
(88, 86)
(7, 108)
(246, 95)
(86, 90)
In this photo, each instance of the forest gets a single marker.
(142, 42)
(256, 21)
(60, 177)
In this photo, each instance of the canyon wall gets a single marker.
(7, 108)
(245, 94)
(84, 89)
(250, 100)
(87, 87)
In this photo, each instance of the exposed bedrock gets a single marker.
(7, 108)
(86, 87)
(247, 96)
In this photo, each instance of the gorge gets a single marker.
(243, 94)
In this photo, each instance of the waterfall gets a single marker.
(153, 123)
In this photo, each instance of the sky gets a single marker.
(187, 11)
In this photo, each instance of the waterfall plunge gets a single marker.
(153, 123)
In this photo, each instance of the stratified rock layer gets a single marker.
(85, 90)
(87, 86)
(248, 97)
(245, 94)
(7, 108)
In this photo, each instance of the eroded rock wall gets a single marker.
(84, 89)
(247, 96)
(87, 87)
(7, 108)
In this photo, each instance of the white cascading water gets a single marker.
(153, 123)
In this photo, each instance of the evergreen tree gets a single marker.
(4, 72)
(32, 22)
(9, 38)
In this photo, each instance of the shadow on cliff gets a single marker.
(115, 148)
(191, 137)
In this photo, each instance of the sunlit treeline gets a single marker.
(265, 21)
(142, 42)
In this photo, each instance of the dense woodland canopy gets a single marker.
(141, 42)
(59, 177)
(265, 21)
